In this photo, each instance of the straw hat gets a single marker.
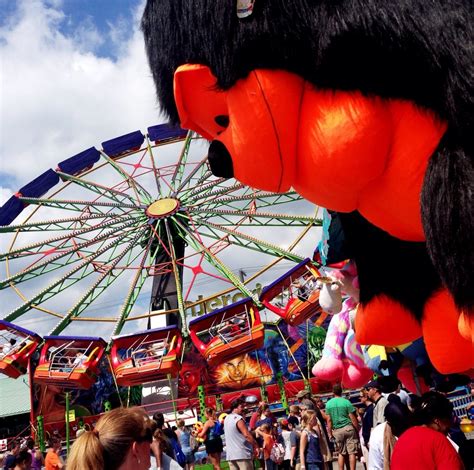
(302, 394)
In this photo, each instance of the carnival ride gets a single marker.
(131, 222)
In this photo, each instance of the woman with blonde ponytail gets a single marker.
(120, 441)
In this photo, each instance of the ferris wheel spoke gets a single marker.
(156, 170)
(107, 277)
(136, 285)
(55, 225)
(65, 281)
(189, 177)
(270, 199)
(51, 264)
(213, 196)
(137, 188)
(257, 218)
(110, 193)
(192, 192)
(247, 241)
(49, 245)
(211, 258)
(181, 164)
(77, 206)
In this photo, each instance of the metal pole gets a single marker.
(202, 403)
(281, 386)
(67, 424)
(40, 421)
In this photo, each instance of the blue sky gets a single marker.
(74, 73)
(84, 14)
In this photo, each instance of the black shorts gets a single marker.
(214, 446)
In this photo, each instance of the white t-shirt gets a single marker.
(376, 454)
(286, 436)
(237, 447)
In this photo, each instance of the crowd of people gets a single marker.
(395, 431)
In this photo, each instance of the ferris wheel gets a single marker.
(116, 236)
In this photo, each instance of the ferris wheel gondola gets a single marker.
(294, 296)
(17, 345)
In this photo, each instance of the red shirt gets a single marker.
(423, 448)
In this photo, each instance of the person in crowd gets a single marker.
(294, 416)
(53, 460)
(168, 435)
(184, 439)
(311, 457)
(120, 441)
(427, 445)
(384, 435)
(305, 400)
(240, 444)
(320, 404)
(401, 392)
(265, 432)
(367, 421)
(162, 459)
(343, 427)
(414, 403)
(290, 443)
(10, 455)
(36, 455)
(374, 392)
(23, 461)
(211, 432)
(263, 415)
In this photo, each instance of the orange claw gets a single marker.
(385, 322)
(449, 350)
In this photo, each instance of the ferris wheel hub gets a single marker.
(162, 208)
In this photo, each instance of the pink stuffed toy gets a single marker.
(342, 359)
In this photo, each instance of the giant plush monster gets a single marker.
(362, 106)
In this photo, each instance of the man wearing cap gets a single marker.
(240, 444)
(304, 397)
(343, 426)
(380, 402)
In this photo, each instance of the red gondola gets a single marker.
(228, 332)
(16, 346)
(146, 356)
(70, 361)
(293, 296)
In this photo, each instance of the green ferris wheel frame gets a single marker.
(122, 225)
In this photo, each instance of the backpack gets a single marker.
(178, 453)
(277, 454)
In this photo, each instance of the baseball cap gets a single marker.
(372, 384)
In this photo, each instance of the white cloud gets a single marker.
(58, 98)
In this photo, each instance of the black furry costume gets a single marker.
(415, 50)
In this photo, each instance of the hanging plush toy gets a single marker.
(342, 359)
(364, 108)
